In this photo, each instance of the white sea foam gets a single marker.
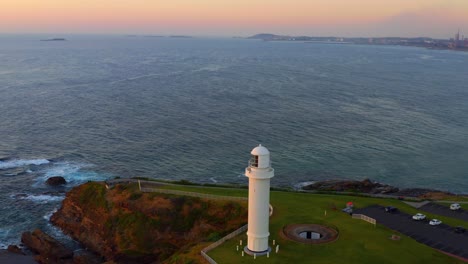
(49, 214)
(43, 198)
(299, 185)
(10, 164)
(211, 68)
(3, 235)
(213, 180)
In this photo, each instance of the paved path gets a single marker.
(417, 204)
(12, 258)
(441, 237)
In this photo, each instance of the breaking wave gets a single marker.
(43, 198)
(10, 164)
(49, 214)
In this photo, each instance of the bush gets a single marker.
(94, 195)
(135, 196)
(213, 237)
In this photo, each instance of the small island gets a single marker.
(54, 39)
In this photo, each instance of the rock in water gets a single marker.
(49, 250)
(56, 180)
(15, 249)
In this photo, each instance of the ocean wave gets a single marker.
(43, 198)
(211, 68)
(6, 72)
(4, 233)
(10, 164)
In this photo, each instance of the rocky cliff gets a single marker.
(126, 226)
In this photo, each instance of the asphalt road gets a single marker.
(441, 237)
(445, 211)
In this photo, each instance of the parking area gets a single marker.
(441, 237)
(445, 211)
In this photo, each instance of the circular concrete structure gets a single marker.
(309, 233)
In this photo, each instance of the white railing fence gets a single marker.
(193, 194)
(219, 242)
(365, 218)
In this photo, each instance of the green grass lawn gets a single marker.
(358, 242)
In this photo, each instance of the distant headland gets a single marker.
(180, 36)
(457, 43)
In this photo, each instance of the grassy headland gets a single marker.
(358, 242)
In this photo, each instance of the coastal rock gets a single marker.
(365, 186)
(15, 249)
(368, 186)
(56, 180)
(48, 249)
(126, 226)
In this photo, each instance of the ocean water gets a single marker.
(96, 107)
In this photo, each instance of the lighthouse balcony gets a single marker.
(259, 173)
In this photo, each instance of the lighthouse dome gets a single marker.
(260, 151)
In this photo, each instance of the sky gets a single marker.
(346, 18)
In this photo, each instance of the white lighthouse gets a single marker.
(259, 173)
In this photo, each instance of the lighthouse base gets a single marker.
(257, 253)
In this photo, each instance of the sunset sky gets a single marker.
(432, 18)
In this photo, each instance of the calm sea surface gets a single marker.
(93, 107)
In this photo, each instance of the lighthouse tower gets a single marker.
(259, 173)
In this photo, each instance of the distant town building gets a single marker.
(458, 42)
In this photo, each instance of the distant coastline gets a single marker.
(424, 42)
(159, 36)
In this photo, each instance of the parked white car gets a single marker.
(455, 206)
(434, 222)
(419, 216)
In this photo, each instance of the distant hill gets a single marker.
(267, 36)
(272, 37)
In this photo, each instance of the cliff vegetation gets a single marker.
(124, 225)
